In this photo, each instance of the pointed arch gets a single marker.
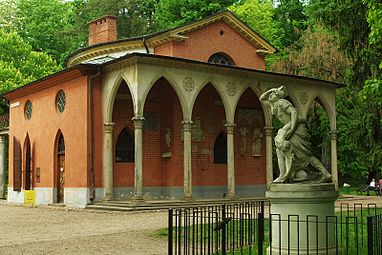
(215, 85)
(113, 93)
(27, 160)
(174, 86)
(328, 109)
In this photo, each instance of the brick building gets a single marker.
(174, 114)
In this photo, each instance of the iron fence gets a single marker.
(250, 228)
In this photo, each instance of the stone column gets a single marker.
(230, 160)
(108, 159)
(2, 166)
(187, 160)
(333, 140)
(268, 154)
(138, 173)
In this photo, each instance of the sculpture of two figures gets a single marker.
(293, 147)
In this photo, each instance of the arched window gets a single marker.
(124, 149)
(221, 59)
(220, 149)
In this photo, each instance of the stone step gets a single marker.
(128, 205)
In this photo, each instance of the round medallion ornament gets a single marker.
(231, 88)
(188, 84)
(303, 98)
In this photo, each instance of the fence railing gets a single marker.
(250, 228)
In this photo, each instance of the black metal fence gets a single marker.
(250, 228)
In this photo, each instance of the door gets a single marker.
(60, 169)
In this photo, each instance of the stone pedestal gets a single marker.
(299, 218)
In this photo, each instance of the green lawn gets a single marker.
(349, 237)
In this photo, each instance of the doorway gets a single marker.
(60, 169)
(28, 167)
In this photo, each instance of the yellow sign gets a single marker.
(29, 197)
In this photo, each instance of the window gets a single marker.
(124, 149)
(61, 145)
(60, 101)
(221, 59)
(28, 110)
(220, 149)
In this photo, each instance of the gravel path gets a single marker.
(62, 231)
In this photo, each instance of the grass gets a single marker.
(348, 237)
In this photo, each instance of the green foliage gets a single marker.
(134, 17)
(46, 25)
(258, 14)
(170, 13)
(7, 14)
(291, 19)
(19, 64)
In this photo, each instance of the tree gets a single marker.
(134, 17)
(170, 13)
(19, 64)
(47, 25)
(7, 14)
(291, 19)
(258, 14)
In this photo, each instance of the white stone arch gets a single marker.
(112, 94)
(174, 86)
(227, 109)
(327, 107)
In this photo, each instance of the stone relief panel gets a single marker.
(251, 116)
(188, 84)
(256, 142)
(303, 97)
(231, 88)
(243, 140)
(197, 132)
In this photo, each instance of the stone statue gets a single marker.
(243, 140)
(256, 142)
(293, 147)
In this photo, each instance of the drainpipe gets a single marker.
(91, 131)
(144, 43)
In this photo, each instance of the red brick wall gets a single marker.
(97, 129)
(249, 169)
(214, 38)
(43, 127)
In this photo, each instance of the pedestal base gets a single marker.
(302, 218)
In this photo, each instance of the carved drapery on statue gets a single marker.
(293, 147)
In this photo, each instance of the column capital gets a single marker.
(187, 125)
(138, 122)
(108, 127)
(230, 127)
(268, 131)
(333, 134)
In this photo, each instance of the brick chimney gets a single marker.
(103, 30)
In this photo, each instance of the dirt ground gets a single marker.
(45, 230)
(61, 231)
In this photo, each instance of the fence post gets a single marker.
(370, 235)
(224, 246)
(260, 232)
(170, 231)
